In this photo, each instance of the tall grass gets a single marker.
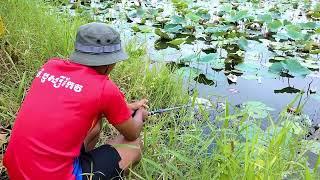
(33, 34)
(177, 146)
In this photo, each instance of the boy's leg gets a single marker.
(113, 162)
(93, 136)
(129, 151)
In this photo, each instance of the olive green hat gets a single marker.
(97, 44)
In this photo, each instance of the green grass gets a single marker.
(176, 147)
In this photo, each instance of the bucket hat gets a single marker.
(97, 44)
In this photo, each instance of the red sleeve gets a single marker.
(114, 105)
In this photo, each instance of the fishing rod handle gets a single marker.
(150, 113)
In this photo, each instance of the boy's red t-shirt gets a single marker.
(63, 103)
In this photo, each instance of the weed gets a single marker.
(176, 147)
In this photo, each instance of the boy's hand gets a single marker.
(143, 112)
(138, 104)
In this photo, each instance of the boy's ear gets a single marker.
(109, 68)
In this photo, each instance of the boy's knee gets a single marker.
(129, 155)
(97, 128)
(139, 144)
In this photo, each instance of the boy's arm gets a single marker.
(132, 127)
(119, 113)
(136, 105)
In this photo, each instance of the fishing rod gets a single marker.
(160, 111)
(197, 102)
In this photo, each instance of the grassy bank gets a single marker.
(176, 147)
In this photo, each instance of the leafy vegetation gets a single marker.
(191, 143)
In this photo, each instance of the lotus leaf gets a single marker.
(308, 25)
(267, 18)
(235, 16)
(257, 109)
(162, 34)
(248, 67)
(207, 58)
(243, 43)
(294, 32)
(190, 58)
(289, 66)
(141, 28)
(216, 29)
(193, 17)
(188, 72)
(177, 41)
(175, 19)
(274, 25)
(217, 64)
(172, 28)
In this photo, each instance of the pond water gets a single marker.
(235, 49)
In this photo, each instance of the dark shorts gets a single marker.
(101, 163)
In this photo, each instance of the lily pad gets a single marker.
(243, 43)
(216, 29)
(249, 67)
(235, 16)
(226, 7)
(172, 28)
(204, 14)
(190, 58)
(207, 58)
(188, 72)
(265, 18)
(257, 109)
(163, 35)
(281, 36)
(294, 32)
(289, 66)
(175, 19)
(137, 16)
(193, 17)
(217, 64)
(210, 58)
(308, 25)
(141, 28)
(177, 41)
(274, 25)
(287, 90)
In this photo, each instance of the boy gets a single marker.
(59, 122)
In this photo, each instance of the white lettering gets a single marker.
(78, 88)
(61, 81)
(70, 85)
(44, 77)
(39, 73)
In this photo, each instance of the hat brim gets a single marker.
(91, 59)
